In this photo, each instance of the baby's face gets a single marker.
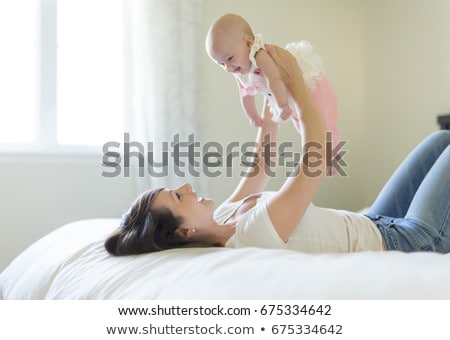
(231, 54)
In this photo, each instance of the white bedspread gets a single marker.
(71, 263)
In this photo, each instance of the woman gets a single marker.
(412, 213)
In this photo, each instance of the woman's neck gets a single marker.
(225, 233)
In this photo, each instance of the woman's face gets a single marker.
(197, 212)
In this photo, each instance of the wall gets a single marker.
(41, 193)
(407, 80)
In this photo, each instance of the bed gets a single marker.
(71, 263)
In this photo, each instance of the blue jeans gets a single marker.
(412, 211)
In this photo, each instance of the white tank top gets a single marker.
(321, 230)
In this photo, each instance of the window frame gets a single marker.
(45, 127)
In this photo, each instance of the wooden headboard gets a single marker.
(444, 121)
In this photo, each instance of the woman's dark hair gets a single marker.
(144, 230)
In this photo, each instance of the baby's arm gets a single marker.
(276, 84)
(248, 104)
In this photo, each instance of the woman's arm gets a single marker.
(257, 175)
(290, 203)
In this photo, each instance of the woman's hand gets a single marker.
(290, 71)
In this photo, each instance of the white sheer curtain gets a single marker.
(166, 41)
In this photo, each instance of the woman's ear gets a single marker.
(185, 232)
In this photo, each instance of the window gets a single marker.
(18, 67)
(64, 67)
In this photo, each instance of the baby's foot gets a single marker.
(257, 122)
(285, 112)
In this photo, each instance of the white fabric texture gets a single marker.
(166, 45)
(254, 227)
(71, 263)
(310, 62)
(320, 230)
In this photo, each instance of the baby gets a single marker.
(231, 43)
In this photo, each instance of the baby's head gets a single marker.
(228, 43)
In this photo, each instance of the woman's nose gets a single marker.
(187, 187)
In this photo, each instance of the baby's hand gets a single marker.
(285, 112)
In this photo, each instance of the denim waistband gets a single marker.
(409, 235)
(383, 224)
